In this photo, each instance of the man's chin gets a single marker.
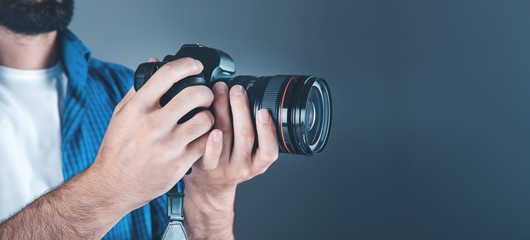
(33, 18)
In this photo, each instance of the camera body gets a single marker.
(217, 65)
(300, 106)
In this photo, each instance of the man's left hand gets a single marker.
(210, 194)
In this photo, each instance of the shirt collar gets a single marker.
(76, 58)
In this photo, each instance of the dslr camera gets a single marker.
(300, 106)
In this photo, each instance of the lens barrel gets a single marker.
(299, 105)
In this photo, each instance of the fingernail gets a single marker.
(263, 116)
(217, 136)
(220, 88)
(238, 90)
(199, 63)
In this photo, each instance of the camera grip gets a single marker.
(180, 85)
(146, 70)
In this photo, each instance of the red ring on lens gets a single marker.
(281, 113)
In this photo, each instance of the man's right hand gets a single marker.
(145, 151)
(143, 154)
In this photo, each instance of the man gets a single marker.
(66, 117)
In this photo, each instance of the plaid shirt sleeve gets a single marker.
(93, 90)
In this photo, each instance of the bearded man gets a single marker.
(83, 155)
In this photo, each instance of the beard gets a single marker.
(33, 18)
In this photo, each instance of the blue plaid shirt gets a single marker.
(94, 88)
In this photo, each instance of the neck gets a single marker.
(28, 51)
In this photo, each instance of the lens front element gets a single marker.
(314, 111)
(317, 115)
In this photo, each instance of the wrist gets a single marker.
(97, 190)
(212, 197)
(90, 188)
(209, 214)
(111, 188)
(218, 204)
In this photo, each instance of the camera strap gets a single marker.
(175, 202)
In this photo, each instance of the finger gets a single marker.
(131, 92)
(192, 129)
(150, 94)
(243, 129)
(223, 120)
(268, 149)
(153, 59)
(214, 146)
(194, 151)
(188, 99)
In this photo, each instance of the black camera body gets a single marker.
(299, 105)
(217, 65)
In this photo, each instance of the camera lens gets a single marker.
(300, 107)
(316, 119)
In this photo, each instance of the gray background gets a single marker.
(431, 119)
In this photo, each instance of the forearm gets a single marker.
(209, 216)
(77, 209)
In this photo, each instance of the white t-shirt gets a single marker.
(30, 134)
